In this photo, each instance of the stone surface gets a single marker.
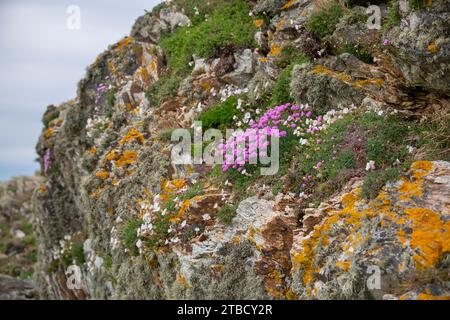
(421, 46)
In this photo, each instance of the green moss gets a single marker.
(416, 5)
(228, 25)
(281, 90)
(49, 117)
(220, 116)
(393, 16)
(166, 135)
(374, 181)
(358, 51)
(78, 253)
(345, 149)
(226, 214)
(324, 22)
(165, 87)
(129, 235)
(108, 262)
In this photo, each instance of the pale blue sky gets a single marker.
(41, 61)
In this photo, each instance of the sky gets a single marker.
(42, 60)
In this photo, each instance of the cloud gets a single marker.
(41, 62)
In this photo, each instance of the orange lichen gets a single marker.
(48, 133)
(92, 150)
(111, 155)
(122, 44)
(263, 59)
(362, 83)
(280, 24)
(413, 188)
(288, 4)
(427, 295)
(275, 50)
(102, 174)
(430, 237)
(339, 75)
(344, 265)
(127, 157)
(432, 47)
(258, 22)
(182, 280)
(133, 134)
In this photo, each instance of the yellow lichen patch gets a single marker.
(339, 75)
(48, 133)
(410, 189)
(275, 50)
(274, 284)
(362, 83)
(258, 22)
(42, 188)
(428, 296)
(127, 157)
(111, 67)
(263, 59)
(430, 237)
(122, 44)
(102, 174)
(218, 268)
(348, 200)
(344, 265)
(280, 23)
(432, 47)
(413, 188)
(182, 280)
(421, 168)
(290, 295)
(288, 4)
(133, 134)
(92, 150)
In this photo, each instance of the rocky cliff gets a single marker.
(360, 205)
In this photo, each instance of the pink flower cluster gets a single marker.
(101, 89)
(275, 122)
(47, 160)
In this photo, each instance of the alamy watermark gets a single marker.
(73, 21)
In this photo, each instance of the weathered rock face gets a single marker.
(14, 289)
(383, 248)
(117, 220)
(150, 28)
(421, 45)
(17, 239)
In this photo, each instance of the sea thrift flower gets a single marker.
(47, 158)
(370, 166)
(386, 42)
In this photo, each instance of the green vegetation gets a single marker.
(288, 59)
(108, 262)
(166, 86)
(228, 25)
(345, 149)
(416, 4)
(220, 116)
(226, 214)
(49, 117)
(393, 17)
(375, 180)
(166, 135)
(324, 22)
(130, 235)
(74, 255)
(358, 51)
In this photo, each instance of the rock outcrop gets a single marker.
(117, 220)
